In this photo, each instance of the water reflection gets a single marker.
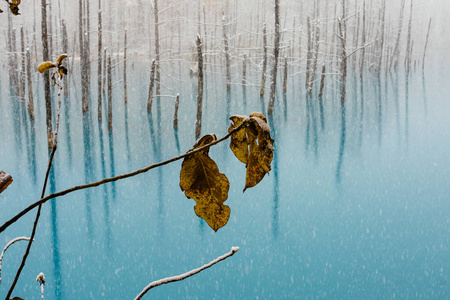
(361, 114)
(127, 137)
(276, 186)
(155, 138)
(395, 87)
(88, 169)
(380, 109)
(341, 145)
(425, 101)
(407, 109)
(66, 121)
(57, 276)
(106, 207)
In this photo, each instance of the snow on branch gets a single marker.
(187, 274)
(21, 238)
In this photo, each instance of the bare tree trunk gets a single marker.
(343, 39)
(158, 74)
(263, 77)
(15, 64)
(408, 43)
(30, 86)
(46, 57)
(426, 44)
(125, 96)
(109, 94)
(316, 57)
(285, 75)
(50, 29)
(84, 100)
(22, 69)
(227, 52)
(150, 89)
(65, 46)
(396, 51)
(175, 114)
(363, 41)
(244, 69)
(322, 83)
(88, 45)
(381, 45)
(355, 36)
(99, 61)
(198, 124)
(276, 52)
(308, 53)
(10, 53)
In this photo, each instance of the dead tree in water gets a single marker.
(363, 40)
(381, 38)
(426, 44)
(99, 61)
(65, 46)
(198, 123)
(342, 36)
(276, 51)
(308, 53)
(46, 57)
(408, 43)
(30, 103)
(22, 69)
(227, 52)
(244, 69)
(109, 94)
(150, 89)
(158, 73)
(316, 57)
(285, 75)
(125, 97)
(175, 114)
(83, 58)
(396, 51)
(263, 79)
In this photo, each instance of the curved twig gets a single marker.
(115, 178)
(20, 238)
(187, 274)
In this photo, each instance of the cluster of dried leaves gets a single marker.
(201, 180)
(60, 69)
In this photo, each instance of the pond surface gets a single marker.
(359, 209)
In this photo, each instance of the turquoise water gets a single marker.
(359, 209)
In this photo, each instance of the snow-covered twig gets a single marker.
(187, 274)
(41, 279)
(20, 238)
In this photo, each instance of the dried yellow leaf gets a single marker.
(252, 146)
(201, 180)
(45, 66)
(239, 141)
(60, 59)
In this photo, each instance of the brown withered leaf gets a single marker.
(261, 152)
(14, 7)
(45, 66)
(60, 59)
(201, 180)
(252, 146)
(239, 141)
